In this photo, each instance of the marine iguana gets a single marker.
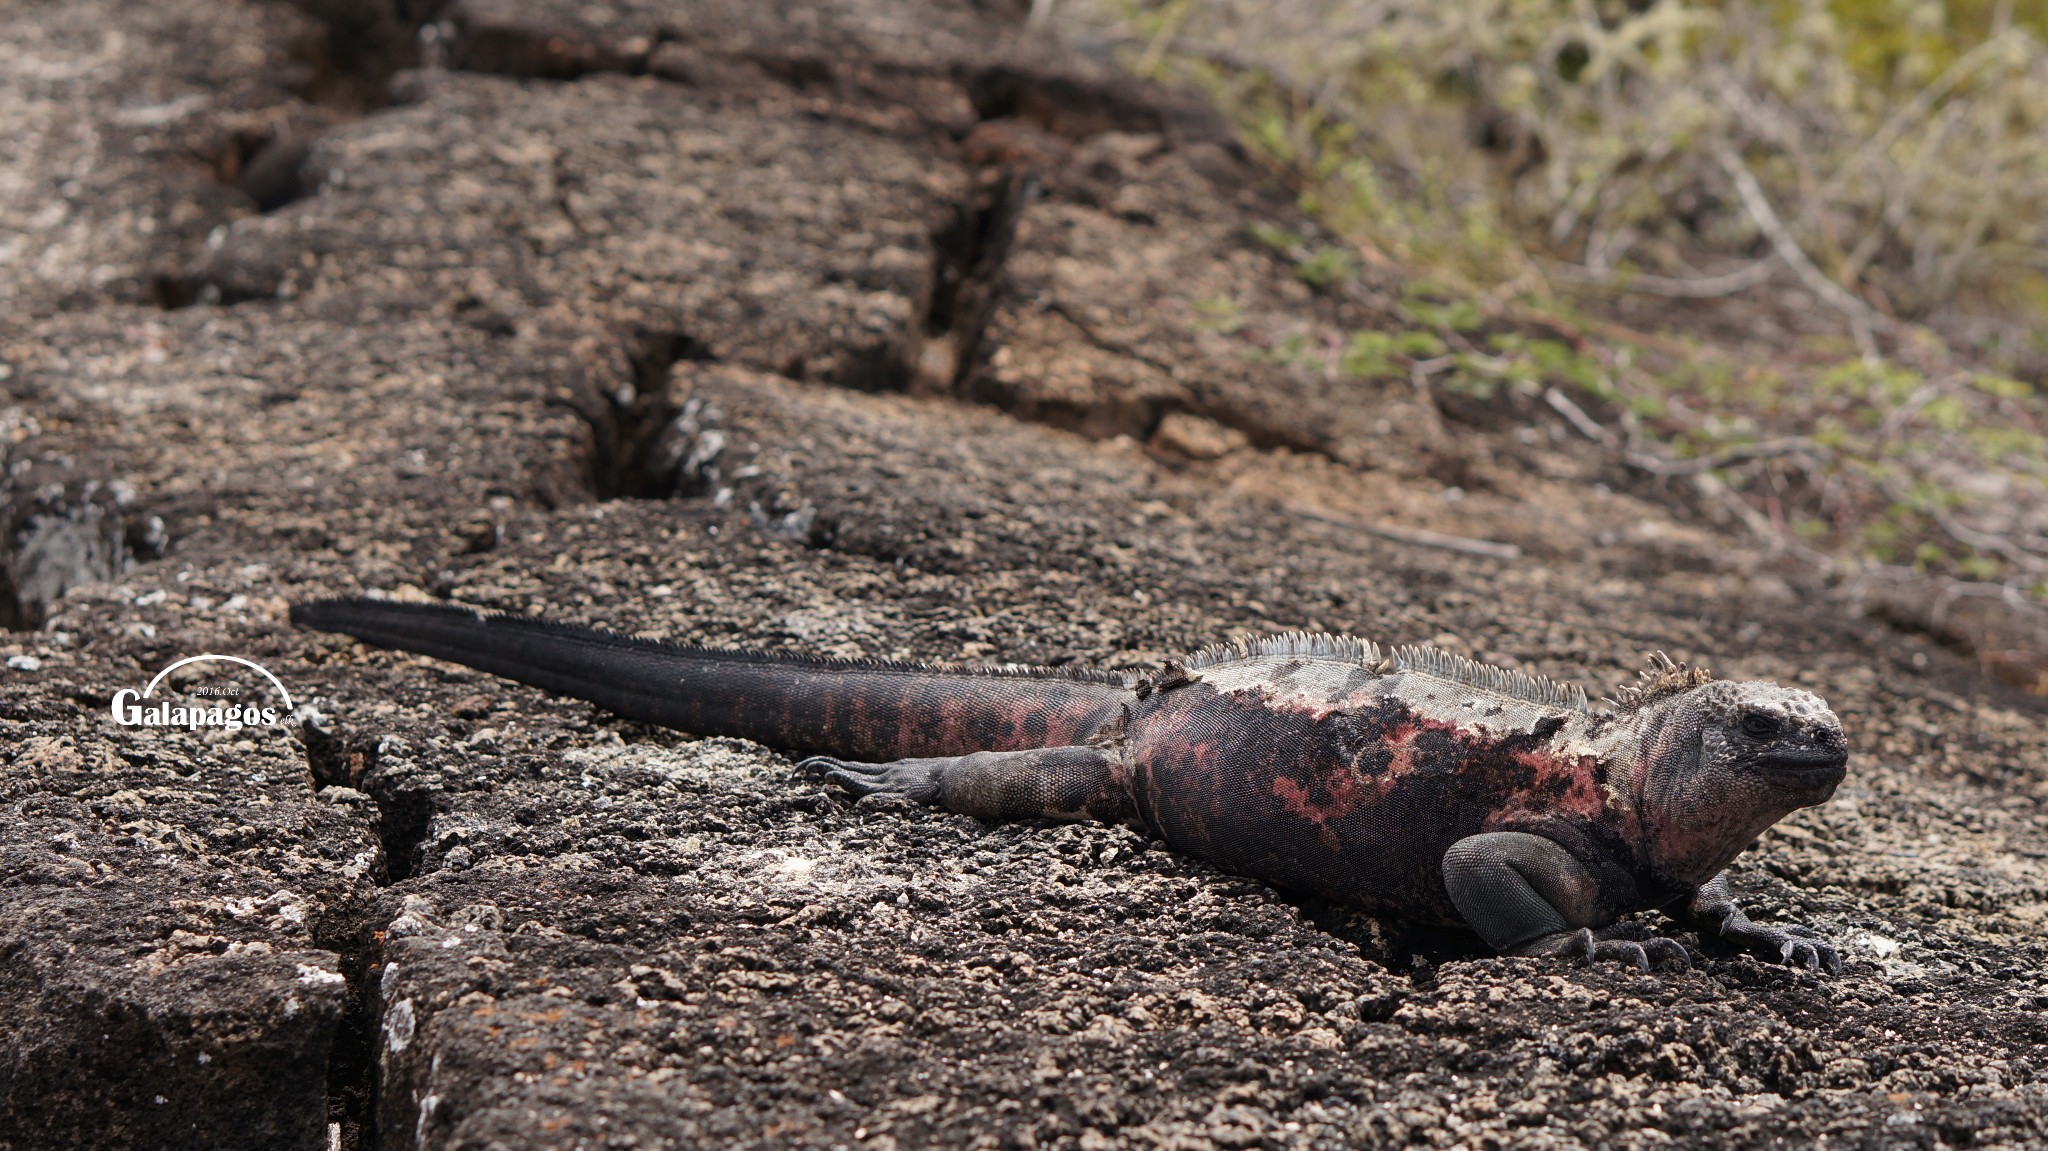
(1405, 781)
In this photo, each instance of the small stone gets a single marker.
(1197, 437)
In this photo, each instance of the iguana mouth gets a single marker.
(1806, 764)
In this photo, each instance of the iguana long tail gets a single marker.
(859, 709)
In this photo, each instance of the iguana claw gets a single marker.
(1793, 951)
(1633, 946)
(914, 778)
(1715, 912)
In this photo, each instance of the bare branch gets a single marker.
(1577, 417)
(1685, 288)
(1966, 535)
(1148, 63)
(1741, 453)
(1916, 108)
(1899, 201)
(1902, 415)
(1759, 525)
(1418, 537)
(1862, 320)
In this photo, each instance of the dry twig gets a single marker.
(1682, 288)
(1966, 535)
(1729, 457)
(1862, 320)
(1418, 537)
(1576, 416)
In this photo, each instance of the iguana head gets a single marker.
(1721, 761)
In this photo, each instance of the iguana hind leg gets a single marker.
(1041, 783)
(1527, 895)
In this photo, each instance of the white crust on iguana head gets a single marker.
(1707, 784)
(1661, 679)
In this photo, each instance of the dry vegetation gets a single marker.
(1789, 258)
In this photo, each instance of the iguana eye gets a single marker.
(1759, 724)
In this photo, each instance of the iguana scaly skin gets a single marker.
(1408, 782)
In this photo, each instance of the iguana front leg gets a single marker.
(1712, 911)
(1527, 895)
(1041, 783)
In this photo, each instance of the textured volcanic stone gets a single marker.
(122, 133)
(596, 250)
(622, 205)
(173, 908)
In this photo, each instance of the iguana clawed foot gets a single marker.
(916, 779)
(1635, 944)
(1785, 946)
(1631, 943)
(1714, 911)
(1033, 783)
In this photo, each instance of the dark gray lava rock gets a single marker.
(598, 318)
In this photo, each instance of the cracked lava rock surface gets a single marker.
(852, 328)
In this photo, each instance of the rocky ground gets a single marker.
(864, 327)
